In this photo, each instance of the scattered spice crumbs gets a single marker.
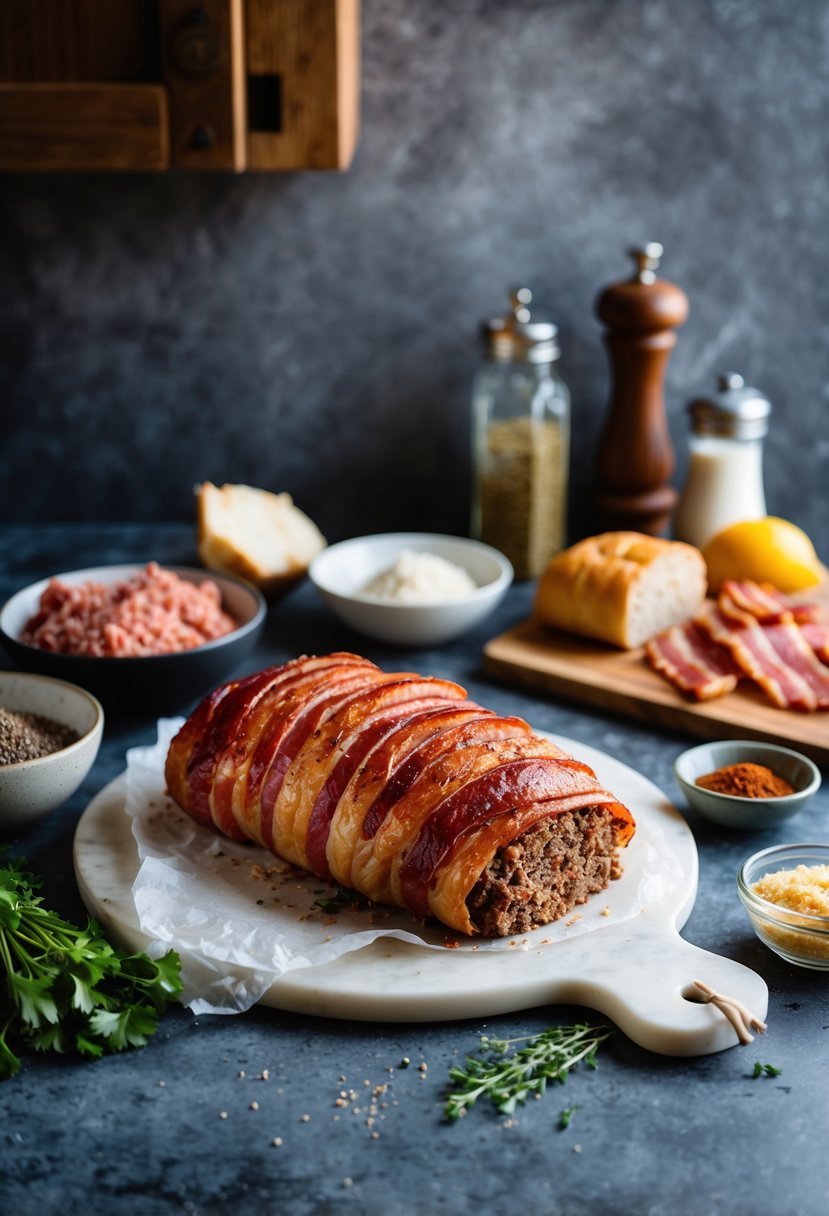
(347, 1099)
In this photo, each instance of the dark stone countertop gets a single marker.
(140, 1133)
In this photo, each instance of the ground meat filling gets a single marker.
(544, 873)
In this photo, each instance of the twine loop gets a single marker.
(742, 1019)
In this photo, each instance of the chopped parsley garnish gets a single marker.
(342, 900)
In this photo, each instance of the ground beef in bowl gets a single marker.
(152, 612)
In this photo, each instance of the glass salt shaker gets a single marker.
(520, 440)
(725, 473)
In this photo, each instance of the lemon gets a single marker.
(768, 550)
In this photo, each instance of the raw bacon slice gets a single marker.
(752, 630)
(763, 602)
(752, 649)
(817, 635)
(693, 662)
(402, 789)
(794, 650)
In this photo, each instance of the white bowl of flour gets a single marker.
(411, 588)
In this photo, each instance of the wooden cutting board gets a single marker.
(622, 682)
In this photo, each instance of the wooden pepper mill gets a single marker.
(635, 456)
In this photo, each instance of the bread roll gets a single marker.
(621, 587)
(259, 536)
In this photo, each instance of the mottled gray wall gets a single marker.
(317, 332)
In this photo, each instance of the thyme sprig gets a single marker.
(510, 1077)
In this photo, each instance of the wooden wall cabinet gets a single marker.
(159, 84)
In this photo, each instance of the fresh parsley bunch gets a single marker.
(65, 989)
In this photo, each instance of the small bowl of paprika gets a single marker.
(739, 783)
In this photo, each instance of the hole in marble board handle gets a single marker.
(691, 993)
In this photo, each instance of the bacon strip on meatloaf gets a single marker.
(397, 786)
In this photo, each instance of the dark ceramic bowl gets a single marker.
(157, 684)
(746, 814)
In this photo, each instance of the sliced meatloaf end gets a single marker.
(545, 872)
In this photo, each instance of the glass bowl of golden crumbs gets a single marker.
(785, 892)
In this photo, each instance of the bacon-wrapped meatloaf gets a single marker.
(397, 786)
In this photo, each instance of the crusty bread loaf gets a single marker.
(621, 587)
(259, 536)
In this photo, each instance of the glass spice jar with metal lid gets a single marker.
(724, 484)
(520, 440)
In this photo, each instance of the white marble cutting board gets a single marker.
(634, 971)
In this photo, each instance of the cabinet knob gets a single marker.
(197, 51)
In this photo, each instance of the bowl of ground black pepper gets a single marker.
(747, 785)
(50, 732)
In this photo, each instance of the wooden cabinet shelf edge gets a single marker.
(191, 84)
